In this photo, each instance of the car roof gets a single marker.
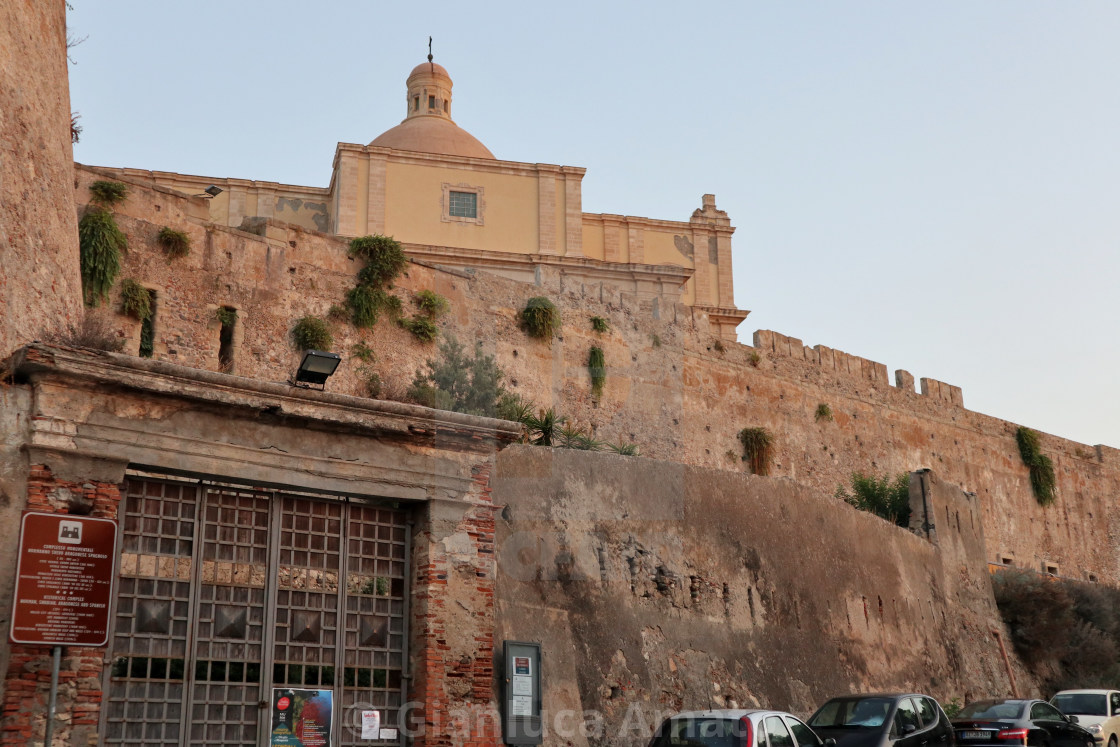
(1084, 692)
(880, 695)
(726, 713)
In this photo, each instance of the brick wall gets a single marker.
(453, 625)
(27, 683)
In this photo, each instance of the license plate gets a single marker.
(975, 734)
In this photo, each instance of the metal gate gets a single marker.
(227, 592)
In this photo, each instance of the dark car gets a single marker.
(886, 720)
(1018, 722)
(734, 728)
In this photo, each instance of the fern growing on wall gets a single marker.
(108, 193)
(600, 324)
(100, 244)
(423, 325)
(384, 262)
(885, 496)
(758, 446)
(136, 300)
(1041, 466)
(597, 367)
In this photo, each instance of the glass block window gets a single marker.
(462, 204)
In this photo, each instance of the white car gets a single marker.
(1096, 710)
(735, 728)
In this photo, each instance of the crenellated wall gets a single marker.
(673, 388)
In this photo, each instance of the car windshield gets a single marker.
(700, 732)
(1083, 704)
(868, 713)
(996, 710)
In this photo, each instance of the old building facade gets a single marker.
(273, 536)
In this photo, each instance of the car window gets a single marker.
(761, 736)
(700, 732)
(906, 715)
(802, 733)
(995, 710)
(927, 710)
(853, 713)
(777, 732)
(1084, 704)
(1045, 712)
(1115, 698)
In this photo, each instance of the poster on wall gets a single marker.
(301, 718)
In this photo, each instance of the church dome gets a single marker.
(427, 126)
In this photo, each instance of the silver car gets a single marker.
(734, 728)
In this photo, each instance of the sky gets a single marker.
(931, 185)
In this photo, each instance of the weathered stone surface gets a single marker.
(661, 587)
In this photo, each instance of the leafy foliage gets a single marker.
(384, 259)
(226, 316)
(541, 318)
(824, 412)
(362, 352)
(1040, 465)
(108, 193)
(136, 300)
(753, 358)
(885, 496)
(312, 333)
(600, 324)
(758, 446)
(367, 302)
(421, 327)
(622, 449)
(432, 304)
(597, 366)
(100, 244)
(514, 407)
(458, 381)
(544, 427)
(92, 332)
(175, 243)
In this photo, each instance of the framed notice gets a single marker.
(64, 580)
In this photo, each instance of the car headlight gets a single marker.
(1094, 728)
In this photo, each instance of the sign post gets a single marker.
(64, 586)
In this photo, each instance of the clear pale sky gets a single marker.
(931, 185)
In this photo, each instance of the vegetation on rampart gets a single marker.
(100, 245)
(597, 367)
(1041, 466)
(175, 243)
(312, 333)
(1067, 632)
(758, 447)
(384, 262)
(540, 318)
(884, 496)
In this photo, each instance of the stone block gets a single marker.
(904, 380)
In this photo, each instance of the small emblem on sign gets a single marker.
(70, 532)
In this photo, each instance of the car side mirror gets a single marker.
(830, 742)
(909, 729)
(1073, 719)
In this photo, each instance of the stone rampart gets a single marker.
(656, 587)
(672, 388)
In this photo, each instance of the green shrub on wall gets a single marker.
(758, 447)
(541, 318)
(384, 262)
(885, 496)
(108, 193)
(459, 381)
(1041, 466)
(600, 325)
(175, 243)
(136, 300)
(312, 333)
(597, 367)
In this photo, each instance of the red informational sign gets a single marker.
(64, 580)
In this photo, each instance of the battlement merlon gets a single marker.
(852, 366)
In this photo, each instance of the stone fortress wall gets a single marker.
(672, 388)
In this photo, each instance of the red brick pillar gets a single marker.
(27, 681)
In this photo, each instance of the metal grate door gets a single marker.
(227, 592)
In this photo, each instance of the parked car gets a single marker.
(1096, 710)
(882, 720)
(734, 728)
(1026, 722)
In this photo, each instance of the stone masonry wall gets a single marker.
(40, 284)
(655, 587)
(671, 388)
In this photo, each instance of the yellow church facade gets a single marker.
(439, 191)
